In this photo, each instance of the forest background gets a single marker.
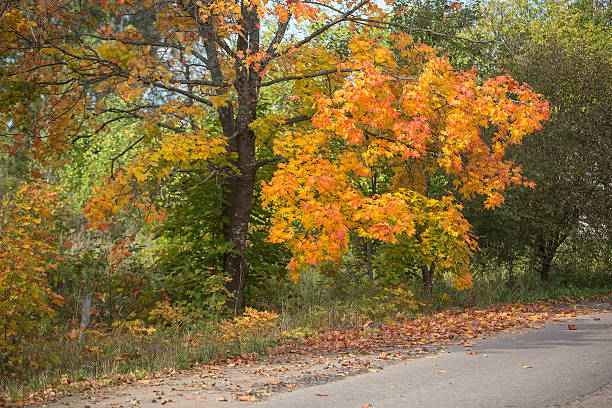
(179, 178)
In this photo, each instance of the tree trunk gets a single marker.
(240, 186)
(546, 253)
(237, 213)
(511, 277)
(85, 318)
(427, 275)
(241, 142)
(545, 270)
(369, 264)
(239, 204)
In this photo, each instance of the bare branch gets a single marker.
(402, 78)
(305, 76)
(279, 35)
(377, 23)
(297, 119)
(318, 32)
(127, 149)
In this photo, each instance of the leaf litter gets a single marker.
(315, 359)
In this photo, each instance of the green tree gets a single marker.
(565, 52)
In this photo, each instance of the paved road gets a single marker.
(549, 367)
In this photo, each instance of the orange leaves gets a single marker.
(418, 118)
(463, 281)
(444, 327)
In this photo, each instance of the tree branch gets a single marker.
(316, 33)
(297, 119)
(305, 76)
(375, 23)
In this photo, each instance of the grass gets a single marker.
(490, 289)
(116, 355)
(315, 306)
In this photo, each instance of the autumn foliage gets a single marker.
(406, 110)
(335, 162)
(357, 134)
(29, 255)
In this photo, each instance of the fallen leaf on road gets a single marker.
(290, 385)
(398, 396)
(441, 371)
(221, 399)
(527, 367)
(322, 395)
(247, 398)
(367, 406)
(472, 352)
(571, 326)
(597, 318)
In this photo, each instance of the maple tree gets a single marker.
(417, 119)
(171, 66)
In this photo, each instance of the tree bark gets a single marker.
(545, 269)
(240, 186)
(85, 318)
(237, 213)
(546, 253)
(369, 264)
(427, 275)
(239, 190)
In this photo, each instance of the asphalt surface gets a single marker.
(549, 367)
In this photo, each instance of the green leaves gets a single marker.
(29, 253)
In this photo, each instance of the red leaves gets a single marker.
(571, 327)
(456, 6)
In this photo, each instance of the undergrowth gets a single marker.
(316, 305)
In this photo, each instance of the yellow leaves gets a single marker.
(219, 100)
(154, 164)
(463, 281)
(28, 247)
(251, 323)
(167, 314)
(93, 349)
(137, 328)
(267, 125)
